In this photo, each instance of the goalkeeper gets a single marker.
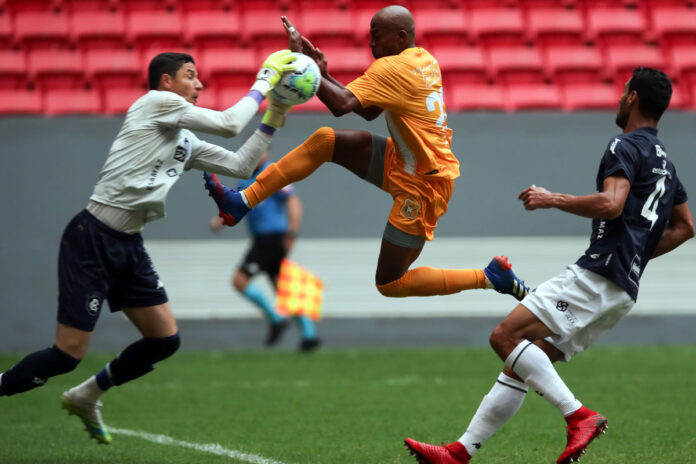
(102, 256)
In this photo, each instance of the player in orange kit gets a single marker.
(415, 165)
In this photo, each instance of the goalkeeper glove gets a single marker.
(275, 65)
(275, 114)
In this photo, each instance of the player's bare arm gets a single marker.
(607, 204)
(332, 93)
(680, 228)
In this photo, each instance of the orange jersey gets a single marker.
(408, 86)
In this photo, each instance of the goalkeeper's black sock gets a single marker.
(35, 370)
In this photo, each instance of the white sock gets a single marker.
(88, 390)
(496, 408)
(244, 199)
(534, 366)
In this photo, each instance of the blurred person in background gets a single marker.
(273, 226)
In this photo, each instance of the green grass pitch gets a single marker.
(355, 406)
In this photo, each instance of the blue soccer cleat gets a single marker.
(229, 201)
(499, 273)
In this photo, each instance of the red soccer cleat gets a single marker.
(580, 435)
(454, 453)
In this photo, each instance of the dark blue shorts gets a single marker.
(97, 263)
(265, 255)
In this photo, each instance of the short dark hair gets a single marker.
(166, 63)
(654, 91)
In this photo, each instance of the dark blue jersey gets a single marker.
(621, 248)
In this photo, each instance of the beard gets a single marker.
(621, 119)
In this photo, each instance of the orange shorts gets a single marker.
(418, 201)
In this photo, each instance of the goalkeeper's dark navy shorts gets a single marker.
(265, 255)
(97, 263)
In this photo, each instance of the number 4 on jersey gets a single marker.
(649, 210)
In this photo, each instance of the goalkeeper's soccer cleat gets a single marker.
(424, 453)
(90, 415)
(580, 434)
(499, 273)
(229, 201)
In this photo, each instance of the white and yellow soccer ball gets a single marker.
(298, 86)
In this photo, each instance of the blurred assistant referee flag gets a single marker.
(300, 293)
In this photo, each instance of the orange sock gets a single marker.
(293, 167)
(427, 281)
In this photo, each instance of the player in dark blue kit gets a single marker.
(273, 225)
(638, 213)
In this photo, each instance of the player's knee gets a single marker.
(162, 348)
(322, 143)
(393, 289)
(498, 337)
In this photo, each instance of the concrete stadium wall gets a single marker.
(51, 165)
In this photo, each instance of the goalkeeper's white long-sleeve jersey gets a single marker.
(155, 146)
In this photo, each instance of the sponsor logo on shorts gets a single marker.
(93, 305)
(564, 308)
(410, 209)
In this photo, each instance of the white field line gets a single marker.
(212, 448)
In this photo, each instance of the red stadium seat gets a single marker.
(555, 26)
(461, 65)
(305, 5)
(326, 28)
(56, 69)
(113, 69)
(674, 26)
(496, 26)
(208, 98)
(154, 29)
(6, 31)
(213, 29)
(533, 96)
(590, 96)
(312, 105)
(376, 5)
(361, 26)
(263, 28)
(475, 97)
(117, 100)
(616, 26)
(13, 70)
(621, 60)
(98, 29)
(35, 30)
(347, 63)
(528, 5)
(229, 96)
(680, 100)
(516, 65)
(690, 91)
(205, 5)
(263, 5)
(59, 102)
(569, 64)
(223, 68)
(683, 61)
(437, 27)
(74, 6)
(16, 6)
(20, 102)
(158, 6)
